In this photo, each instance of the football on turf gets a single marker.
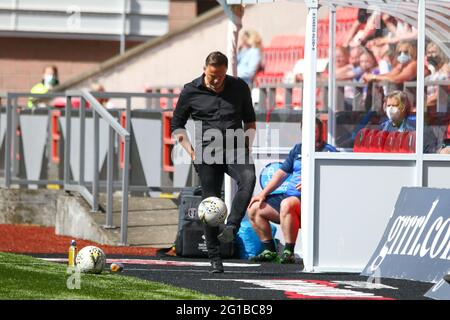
(212, 211)
(91, 259)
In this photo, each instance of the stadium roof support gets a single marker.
(430, 17)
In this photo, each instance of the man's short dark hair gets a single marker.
(216, 59)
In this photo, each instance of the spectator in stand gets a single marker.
(386, 61)
(343, 69)
(439, 68)
(296, 74)
(354, 66)
(369, 66)
(445, 147)
(397, 108)
(365, 28)
(341, 59)
(282, 208)
(385, 65)
(397, 31)
(48, 82)
(249, 57)
(357, 27)
(350, 71)
(368, 63)
(405, 68)
(105, 102)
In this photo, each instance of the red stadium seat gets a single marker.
(408, 143)
(164, 101)
(389, 145)
(296, 97)
(60, 102)
(399, 140)
(360, 140)
(348, 13)
(287, 40)
(369, 140)
(379, 141)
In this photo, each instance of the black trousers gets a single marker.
(211, 179)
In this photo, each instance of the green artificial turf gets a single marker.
(25, 277)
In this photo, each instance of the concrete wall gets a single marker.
(69, 214)
(21, 206)
(181, 58)
(73, 218)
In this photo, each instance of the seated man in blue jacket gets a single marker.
(282, 208)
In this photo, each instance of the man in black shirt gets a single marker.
(219, 104)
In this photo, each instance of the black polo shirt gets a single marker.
(225, 110)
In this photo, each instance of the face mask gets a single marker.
(434, 61)
(393, 113)
(49, 80)
(403, 58)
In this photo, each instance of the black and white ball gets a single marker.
(91, 259)
(212, 211)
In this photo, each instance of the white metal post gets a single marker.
(308, 135)
(124, 27)
(332, 78)
(234, 14)
(420, 96)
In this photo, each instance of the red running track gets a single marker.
(36, 239)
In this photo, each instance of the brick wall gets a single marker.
(22, 60)
(181, 13)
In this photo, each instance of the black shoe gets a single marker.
(287, 257)
(227, 234)
(217, 266)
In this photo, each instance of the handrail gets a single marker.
(134, 95)
(100, 110)
(87, 189)
(35, 95)
(114, 126)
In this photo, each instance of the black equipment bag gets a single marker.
(190, 241)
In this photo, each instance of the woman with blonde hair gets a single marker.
(398, 108)
(405, 68)
(439, 69)
(249, 57)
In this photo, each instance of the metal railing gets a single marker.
(88, 190)
(114, 127)
(268, 99)
(11, 125)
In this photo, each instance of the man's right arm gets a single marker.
(177, 127)
(277, 179)
(275, 182)
(280, 175)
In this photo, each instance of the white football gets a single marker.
(212, 211)
(91, 259)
